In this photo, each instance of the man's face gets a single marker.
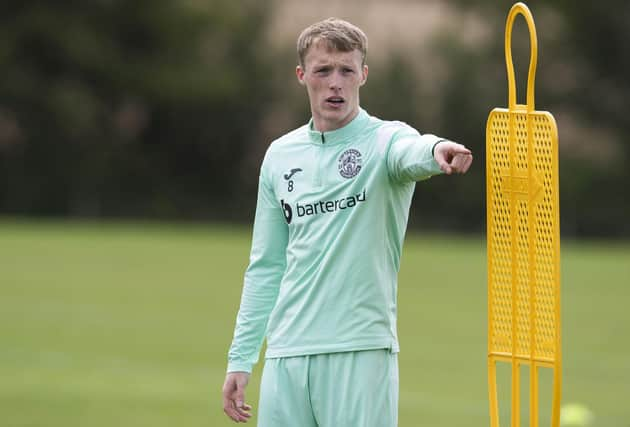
(332, 80)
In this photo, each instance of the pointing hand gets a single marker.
(452, 157)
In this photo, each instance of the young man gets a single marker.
(332, 209)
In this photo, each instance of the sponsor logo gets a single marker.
(288, 212)
(288, 176)
(322, 207)
(350, 163)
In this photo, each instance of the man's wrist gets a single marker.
(435, 145)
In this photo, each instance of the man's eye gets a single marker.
(348, 70)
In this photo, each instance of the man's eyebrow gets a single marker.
(338, 63)
(321, 67)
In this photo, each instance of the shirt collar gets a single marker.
(339, 135)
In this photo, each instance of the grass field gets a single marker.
(129, 324)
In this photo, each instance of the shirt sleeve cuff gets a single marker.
(435, 168)
(434, 145)
(239, 367)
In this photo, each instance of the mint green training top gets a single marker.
(330, 221)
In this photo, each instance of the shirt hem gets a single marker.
(274, 353)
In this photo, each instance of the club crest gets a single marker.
(350, 163)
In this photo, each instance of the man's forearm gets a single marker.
(257, 302)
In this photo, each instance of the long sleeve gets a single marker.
(409, 157)
(267, 264)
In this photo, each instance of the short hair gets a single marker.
(338, 35)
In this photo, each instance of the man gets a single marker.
(332, 209)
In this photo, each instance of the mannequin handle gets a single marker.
(521, 8)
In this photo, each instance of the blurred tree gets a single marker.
(581, 78)
(164, 109)
(598, 54)
(139, 107)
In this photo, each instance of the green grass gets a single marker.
(129, 324)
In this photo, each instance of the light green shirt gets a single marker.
(330, 221)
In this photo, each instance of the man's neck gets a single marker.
(322, 125)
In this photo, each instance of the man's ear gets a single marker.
(299, 72)
(365, 75)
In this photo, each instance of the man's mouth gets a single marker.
(335, 100)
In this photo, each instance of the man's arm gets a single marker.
(414, 157)
(260, 291)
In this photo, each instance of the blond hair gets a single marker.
(337, 34)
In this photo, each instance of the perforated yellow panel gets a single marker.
(523, 239)
(522, 277)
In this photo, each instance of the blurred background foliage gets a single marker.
(163, 109)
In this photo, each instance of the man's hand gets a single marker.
(234, 397)
(452, 157)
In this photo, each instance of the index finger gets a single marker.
(460, 149)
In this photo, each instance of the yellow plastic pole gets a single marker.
(523, 240)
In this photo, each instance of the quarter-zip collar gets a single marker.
(340, 135)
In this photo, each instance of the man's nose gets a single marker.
(335, 81)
